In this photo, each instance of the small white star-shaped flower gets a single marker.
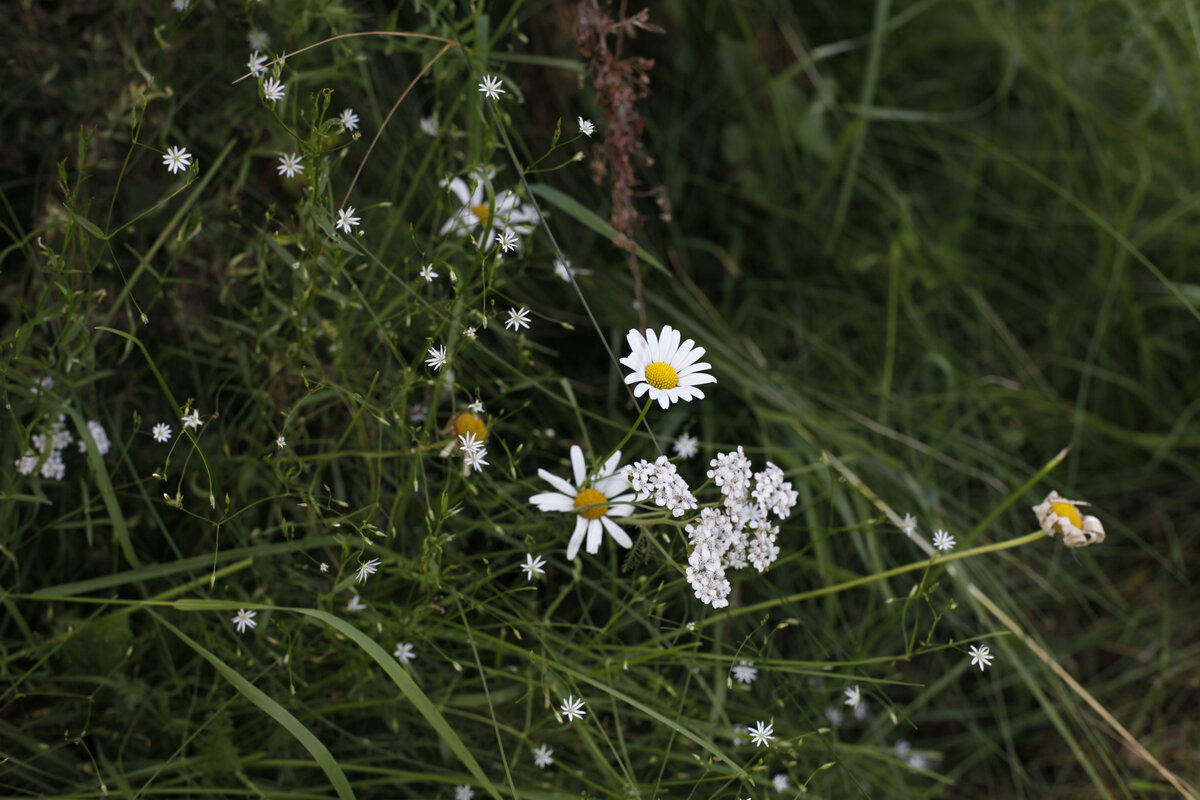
(517, 319)
(476, 408)
(257, 64)
(437, 357)
(781, 782)
(349, 119)
(469, 332)
(404, 653)
(272, 90)
(289, 165)
(346, 220)
(981, 656)
(281, 442)
(533, 566)
(745, 672)
(908, 524)
(243, 620)
(191, 419)
(367, 570)
(507, 241)
(761, 734)
(162, 432)
(469, 443)
(686, 445)
(355, 604)
(853, 696)
(542, 757)
(463, 792)
(177, 159)
(491, 87)
(429, 125)
(586, 127)
(324, 567)
(572, 708)
(474, 460)
(427, 273)
(257, 39)
(943, 541)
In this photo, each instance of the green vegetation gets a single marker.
(941, 257)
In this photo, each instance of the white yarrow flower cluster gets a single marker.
(740, 533)
(662, 483)
(46, 455)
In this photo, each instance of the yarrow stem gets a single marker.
(629, 433)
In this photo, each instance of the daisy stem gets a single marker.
(629, 433)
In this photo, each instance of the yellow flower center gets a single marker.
(482, 211)
(466, 422)
(1068, 511)
(591, 504)
(660, 375)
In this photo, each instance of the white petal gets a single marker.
(664, 399)
(558, 483)
(642, 388)
(611, 464)
(576, 537)
(615, 531)
(613, 484)
(459, 187)
(621, 510)
(692, 369)
(635, 376)
(637, 342)
(553, 501)
(595, 535)
(578, 465)
(672, 346)
(653, 348)
(690, 356)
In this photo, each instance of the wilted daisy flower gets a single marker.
(542, 757)
(594, 499)
(507, 241)
(367, 570)
(162, 432)
(289, 165)
(761, 734)
(243, 620)
(505, 211)
(191, 419)
(463, 792)
(177, 159)
(272, 90)
(664, 367)
(943, 541)
(686, 445)
(404, 653)
(437, 357)
(349, 119)
(257, 64)
(429, 125)
(1057, 514)
(572, 708)
(491, 87)
(517, 319)
(853, 696)
(427, 273)
(533, 566)
(346, 219)
(586, 127)
(745, 672)
(981, 656)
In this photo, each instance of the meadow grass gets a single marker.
(940, 255)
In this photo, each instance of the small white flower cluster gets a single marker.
(473, 451)
(662, 483)
(739, 534)
(48, 447)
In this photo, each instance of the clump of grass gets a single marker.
(376, 305)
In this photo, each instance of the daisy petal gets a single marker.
(577, 465)
(595, 535)
(615, 531)
(576, 537)
(553, 501)
(558, 483)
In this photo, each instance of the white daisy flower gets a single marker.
(542, 757)
(491, 87)
(594, 499)
(504, 211)
(1057, 514)
(404, 653)
(437, 357)
(243, 620)
(664, 367)
(533, 566)
(272, 90)
(853, 696)
(761, 734)
(346, 220)
(162, 432)
(572, 708)
(686, 445)
(257, 64)
(517, 319)
(586, 127)
(177, 159)
(427, 273)
(943, 541)
(191, 419)
(745, 672)
(981, 656)
(429, 125)
(289, 165)
(349, 119)
(367, 570)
